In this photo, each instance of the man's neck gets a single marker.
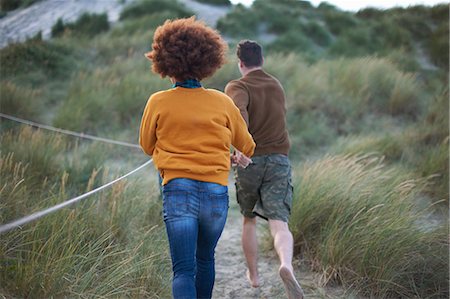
(247, 70)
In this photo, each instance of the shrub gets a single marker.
(361, 224)
(390, 35)
(439, 13)
(130, 27)
(59, 28)
(353, 43)
(439, 45)
(86, 25)
(317, 33)
(291, 41)
(215, 2)
(240, 22)
(35, 55)
(149, 7)
(7, 5)
(338, 22)
(369, 13)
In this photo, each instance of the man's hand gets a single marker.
(239, 159)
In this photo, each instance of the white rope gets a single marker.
(67, 132)
(17, 223)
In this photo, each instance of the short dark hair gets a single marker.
(250, 53)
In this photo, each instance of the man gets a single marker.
(264, 188)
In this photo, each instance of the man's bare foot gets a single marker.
(293, 289)
(254, 281)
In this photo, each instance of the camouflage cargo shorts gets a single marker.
(264, 188)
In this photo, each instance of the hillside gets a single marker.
(368, 117)
(328, 32)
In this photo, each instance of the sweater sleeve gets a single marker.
(147, 133)
(241, 139)
(239, 94)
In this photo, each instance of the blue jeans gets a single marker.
(195, 213)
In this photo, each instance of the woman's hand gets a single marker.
(239, 159)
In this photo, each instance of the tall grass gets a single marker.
(109, 98)
(331, 98)
(361, 224)
(42, 152)
(19, 101)
(46, 60)
(422, 147)
(110, 245)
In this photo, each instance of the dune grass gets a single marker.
(332, 98)
(110, 245)
(360, 223)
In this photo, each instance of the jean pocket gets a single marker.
(219, 205)
(176, 203)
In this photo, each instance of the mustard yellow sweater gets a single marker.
(189, 131)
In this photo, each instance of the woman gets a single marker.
(188, 130)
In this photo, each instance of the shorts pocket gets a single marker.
(288, 197)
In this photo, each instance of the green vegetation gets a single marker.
(151, 7)
(35, 56)
(326, 31)
(110, 245)
(87, 24)
(8, 5)
(362, 224)
(368, 122)
(215, 2)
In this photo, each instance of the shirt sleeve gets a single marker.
(147, 133)
(239, 94)
(241, 139)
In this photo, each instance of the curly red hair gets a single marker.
(187, 49)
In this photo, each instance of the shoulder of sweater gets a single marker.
(214, 92)
(219, 95)
(160, 94)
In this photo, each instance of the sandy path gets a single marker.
(231, 282)
(230, 265)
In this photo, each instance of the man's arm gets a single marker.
(239, 94)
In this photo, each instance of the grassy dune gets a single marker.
(364, 224)
(369, 132)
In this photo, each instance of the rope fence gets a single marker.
(67, 132)
(34, 216)
(24, 220)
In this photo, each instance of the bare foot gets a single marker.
(253, 282)
(293, 289)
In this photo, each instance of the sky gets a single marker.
(356, 5)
